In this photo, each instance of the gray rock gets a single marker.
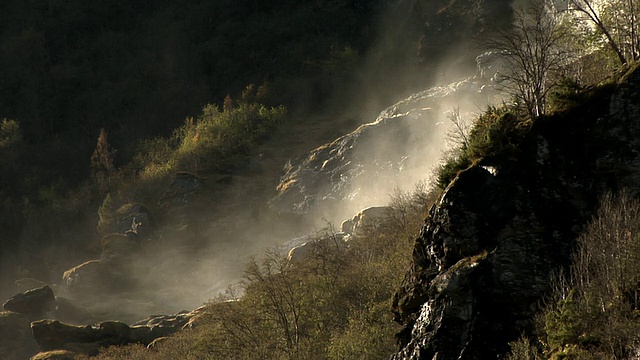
(91, 278)
(317, 246)
(483, 259)
(55, 355)
(32, 302)
(365, 220)
(182, 190)
(54, 335)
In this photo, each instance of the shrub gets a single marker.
(596, 309)
(333, 305)
(106, 213)
(215, 141)
(492, 140)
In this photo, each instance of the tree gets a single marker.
(617, 21)
(102, 159)
(531, 51)
(595, 308)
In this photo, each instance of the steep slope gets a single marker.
(483, 259)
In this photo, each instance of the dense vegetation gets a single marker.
(593, 311)
(333, 304)
(136, 70)
(99, 91)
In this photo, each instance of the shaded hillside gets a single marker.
(484, 258)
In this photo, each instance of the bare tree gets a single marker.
(531, 51)
(589, 9)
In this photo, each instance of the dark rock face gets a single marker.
(32, 302)
(182, 190)
(134, 219)
(483, 259)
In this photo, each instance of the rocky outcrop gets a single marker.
(54, 335)
(318, 246)
(91, 277)
(182, 190)
(483, 259)
(34, 302)
(55, 355)
(398, 149)
(365, 220)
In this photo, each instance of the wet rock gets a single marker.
(365, 220)
(174, 322)
(91, 278)
(32, 302)
(365, 166)
(483, 259)
(182, 190)
(318, 246)
(136, 219)
(55, 335)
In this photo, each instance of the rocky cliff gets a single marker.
(483, 259)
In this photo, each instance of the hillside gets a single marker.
(239, 169)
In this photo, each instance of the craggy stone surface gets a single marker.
(366, 165)
(32, 302)
(483, 259)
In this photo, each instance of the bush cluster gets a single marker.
(492, 140)
(333, 305)
(594, 312)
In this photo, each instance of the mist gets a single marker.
(401, 100)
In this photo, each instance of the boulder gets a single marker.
(134, 218)
(32, 302)
(91, 278)
(365, 220)
(182, 190)
(309, 249)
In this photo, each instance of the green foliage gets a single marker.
(106, 212)
(335, 304)
(217, 138)
(566, 94)
(522, 349)
(492, 140)
(594, 312)
(214, 141)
